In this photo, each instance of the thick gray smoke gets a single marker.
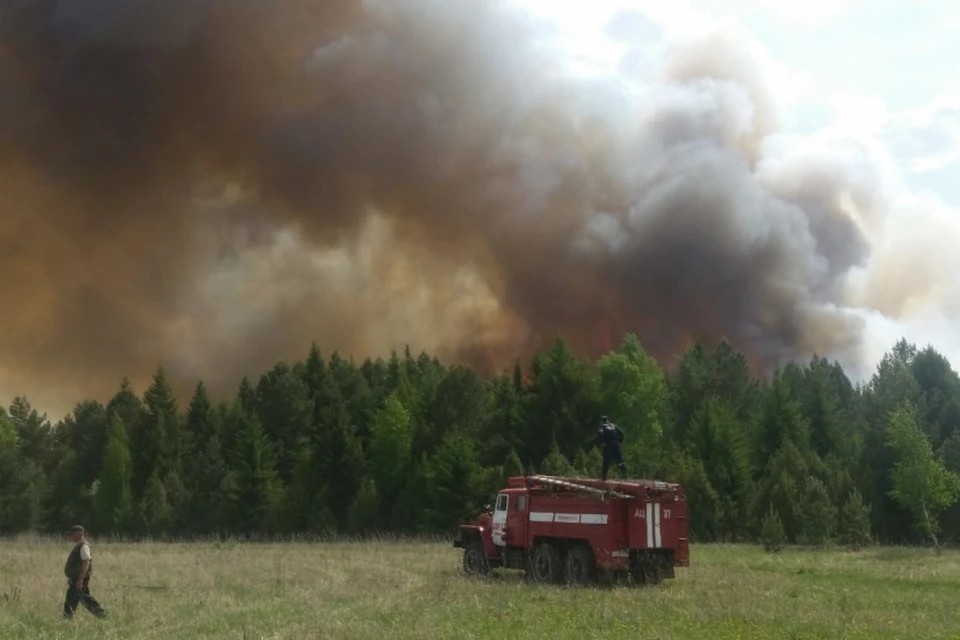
(210, 186)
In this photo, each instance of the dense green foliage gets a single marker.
(410, 445)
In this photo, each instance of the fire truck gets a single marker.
(578, 531)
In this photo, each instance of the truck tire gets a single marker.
(658, 571)
(654, 573)
(474, 561)
(581, 566)
(545, 566)
(666, 567)
(646, 573)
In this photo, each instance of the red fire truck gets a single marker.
(576, 530)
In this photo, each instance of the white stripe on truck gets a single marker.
(594, 518)
(568, 518)
(649, 522)
(657, 540)
(654, 538)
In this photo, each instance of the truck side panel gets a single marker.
(570, 518)
(642, 525)
(659, 523)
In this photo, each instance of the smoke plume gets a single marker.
(211, 186)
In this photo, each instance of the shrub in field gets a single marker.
(771, 532)
(818, 514)
(855, 522)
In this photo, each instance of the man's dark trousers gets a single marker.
(612, 454)
(80, 594)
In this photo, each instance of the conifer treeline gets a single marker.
(409, 445)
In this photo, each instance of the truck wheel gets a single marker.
(581, 566)
(545, 564)
(666, 567)
(474, 562)
(646, 572)
(652, 572)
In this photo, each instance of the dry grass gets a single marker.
(415, 590)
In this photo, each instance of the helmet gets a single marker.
(603, 418)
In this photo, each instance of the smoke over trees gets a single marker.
(210, 186)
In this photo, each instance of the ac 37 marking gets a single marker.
(665, 514)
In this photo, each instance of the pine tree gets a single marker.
(456, 481)
(208, 503)
(65, 501)
(704, 505)
(364, 512)
(716, 439)
(391, 442)
(512, 466)
(155, 516)
(162, 439)
(818, 514)
(855, 522)
(9, 476)
(285, 408)
(556, 464)
(85, 433)
(253, 488)
(334, 446)
(781, 422)
(339, 459)
(34, 434)
(782, 488)
(246, 396)
(562, 403)
(114, 499)
(307, 499)
(201, 422)
(177, 497)
(589, 463)
(771, 532)
(504, 427)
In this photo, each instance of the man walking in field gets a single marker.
(78, 569)
(610, 437)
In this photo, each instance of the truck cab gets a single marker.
(509, 522)
(498, 536)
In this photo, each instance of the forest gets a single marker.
(409, 445)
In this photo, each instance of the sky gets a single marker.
(885, 71)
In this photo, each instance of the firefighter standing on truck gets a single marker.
(78, 570)
(610, 437)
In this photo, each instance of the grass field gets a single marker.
(415, 590)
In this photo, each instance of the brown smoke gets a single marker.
(210, 186)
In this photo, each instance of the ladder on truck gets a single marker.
(573, 486)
